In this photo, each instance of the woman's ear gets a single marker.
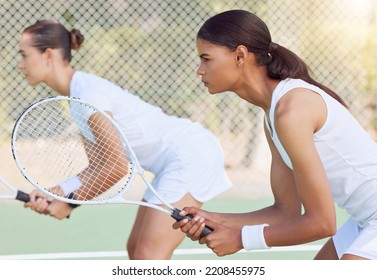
(241, 55)
(49, 55)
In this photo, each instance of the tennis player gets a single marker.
(186, 159)
(320, 153)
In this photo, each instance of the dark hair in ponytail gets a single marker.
(238, 27)
(51, 34)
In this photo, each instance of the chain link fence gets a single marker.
(148, 47)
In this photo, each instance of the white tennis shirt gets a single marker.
(148, 129)
(348, 154)
(183, 155)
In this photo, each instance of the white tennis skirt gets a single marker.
(352, 239)
(195, 165)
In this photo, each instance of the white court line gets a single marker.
(123, 254)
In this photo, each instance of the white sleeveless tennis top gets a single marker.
(147, 128)
(348, 154)
(163, 144)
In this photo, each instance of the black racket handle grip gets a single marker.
(22, 196)
(178, 217)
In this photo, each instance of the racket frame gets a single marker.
(173, 212)
(137, 169)
(16, 194)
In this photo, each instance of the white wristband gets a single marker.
(70, 185)
(253, 237)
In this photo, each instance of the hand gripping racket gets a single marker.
(8, 191)
(67, 142)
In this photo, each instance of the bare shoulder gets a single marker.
(301, 105)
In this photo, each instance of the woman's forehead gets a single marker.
(206, 47)
(25, 39)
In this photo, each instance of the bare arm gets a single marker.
(107, 159)
(297, 118)
(227, 226)
(286, 201)
(107, 165)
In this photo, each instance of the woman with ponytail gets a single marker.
(162, 143)
(320, 153)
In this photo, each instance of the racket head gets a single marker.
(59, 137)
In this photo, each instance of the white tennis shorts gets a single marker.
(195, 165)
(352, 239)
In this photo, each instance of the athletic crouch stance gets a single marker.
(163, 144)
(320, 153)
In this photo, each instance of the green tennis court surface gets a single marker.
(101, 232)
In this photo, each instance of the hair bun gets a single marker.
(76, 39)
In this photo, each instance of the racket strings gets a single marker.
(106, 154)
(110, 155)
(45, 146)
(55, 140)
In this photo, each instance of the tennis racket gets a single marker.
(62, 137)
(8, 191)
